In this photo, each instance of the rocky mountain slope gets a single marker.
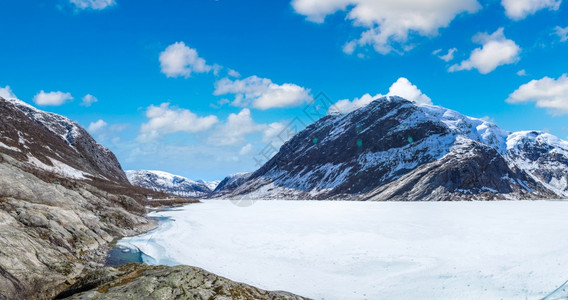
(170, 183)
(229, 183)
(54, 143)
(63, 199)
(393, 149)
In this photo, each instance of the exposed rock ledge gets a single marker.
(140, 281)
(53, 230)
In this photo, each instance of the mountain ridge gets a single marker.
(94, 160)
(170, 183)
(367, 153)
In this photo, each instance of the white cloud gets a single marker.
(262, 93)
(92, 4)
(234, 73)
(546, 92)
(105, 132)
(180, 60)
(496, 51)
(166, 120)
(52, 98)
(402, 87)
(522, 72)
(350, 47)
(88, 100)
(346, 106)
(520, 9)
(388, 22)
(272, 131)
(97, 127)
(446, 57)
(562, 33)
(246, 149)
(6, 93)
(235, 129)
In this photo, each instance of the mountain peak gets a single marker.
(376, 150)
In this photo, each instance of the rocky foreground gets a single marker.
(140, 281)
(53, 230)
(63, 199)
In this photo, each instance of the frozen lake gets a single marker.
(372, 250)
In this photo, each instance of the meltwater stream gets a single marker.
(371, 250)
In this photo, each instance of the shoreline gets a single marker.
(118, 255)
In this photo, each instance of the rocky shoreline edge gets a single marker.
(138, 280)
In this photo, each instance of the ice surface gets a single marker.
(372, 250)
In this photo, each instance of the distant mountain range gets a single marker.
(170, 183)
(393, 149)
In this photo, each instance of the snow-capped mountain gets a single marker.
(230, 182)
(212, 185)
(170, 183)
(393, 149)
(54, 143)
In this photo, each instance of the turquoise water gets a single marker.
(121, 255)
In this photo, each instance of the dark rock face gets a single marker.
(484, 175)
(393, 149)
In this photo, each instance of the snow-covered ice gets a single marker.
(372, 250)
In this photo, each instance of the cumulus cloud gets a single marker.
(520, 9)
(93, 4)
(388, 23)
(181, 60)
(234, 73)
(246, 149)
(496, 50)
(88, 100)
(97, 127)
(446, 57)
(6, 93)
(166, 120)
(262, 93)
(402, 87)
(272, 131)
(52, 98)
(546, 93)
(522, 72)
(234, 130)
(346, 106)
(562, 33)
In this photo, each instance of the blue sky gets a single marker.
(200, 88)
